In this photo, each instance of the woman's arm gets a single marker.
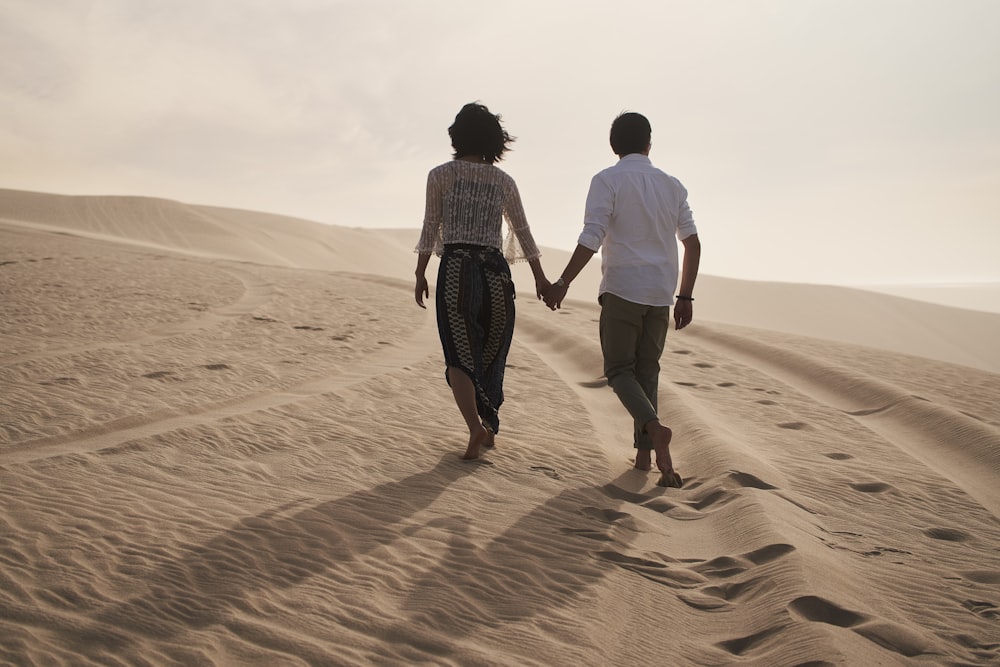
(421, 290)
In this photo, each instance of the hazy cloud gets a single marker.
(807, 132)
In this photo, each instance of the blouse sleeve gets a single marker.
(519, 244)
(430, 235)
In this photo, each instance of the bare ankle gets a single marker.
(477, 436)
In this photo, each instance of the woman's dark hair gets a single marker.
(630, 133)
(478, 132)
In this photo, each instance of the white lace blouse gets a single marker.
(466, 203)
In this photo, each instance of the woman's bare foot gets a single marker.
(490, 441)
(643, 459)
(476, 440)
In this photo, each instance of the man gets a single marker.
(635, 215)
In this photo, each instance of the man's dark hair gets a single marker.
(630, 133)
(478, 132)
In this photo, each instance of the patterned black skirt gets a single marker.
(475, 317)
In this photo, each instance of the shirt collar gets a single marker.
(635, 157)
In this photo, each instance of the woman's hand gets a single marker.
(542, 286)
(421, 290)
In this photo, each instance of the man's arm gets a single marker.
(683, 308)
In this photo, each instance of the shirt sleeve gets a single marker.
(685, 219)
(597, 214)
(519, 244)
(430, 235)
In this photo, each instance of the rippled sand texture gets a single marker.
(216, 458)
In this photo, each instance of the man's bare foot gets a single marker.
(643, 460)
(671, 479)
(661, 436)
(490, 441)
(476, 439)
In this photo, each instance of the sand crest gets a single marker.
(225, 438)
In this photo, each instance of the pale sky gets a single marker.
(843, 142)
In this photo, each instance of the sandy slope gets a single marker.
(229, 442)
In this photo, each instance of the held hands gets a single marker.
(551, 293)
(554, 296)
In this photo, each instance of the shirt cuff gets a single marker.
(589, 241)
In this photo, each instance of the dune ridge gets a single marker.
(226, 439)
(827, 312)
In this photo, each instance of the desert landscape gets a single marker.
(226, 439)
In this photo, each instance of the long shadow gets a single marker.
(546, 560)
(275, 549)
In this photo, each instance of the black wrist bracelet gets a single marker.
(684, 298)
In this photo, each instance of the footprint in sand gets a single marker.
(794, 426)
(715, 498)
(886, 634)
(947, 534)
(720, 595)
(744, 645)
(745, 479)
(819, 610)
(60, 380)
(984, 609)
(216, 367)
(871, 487)
(882, 551)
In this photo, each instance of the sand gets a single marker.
(226, 439)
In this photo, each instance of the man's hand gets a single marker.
(420, 291)
(683, 313)
(554, 297)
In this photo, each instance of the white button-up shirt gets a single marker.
(635, 215)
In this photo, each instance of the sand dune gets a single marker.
(225, 438)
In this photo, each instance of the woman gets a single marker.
(467, 200)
